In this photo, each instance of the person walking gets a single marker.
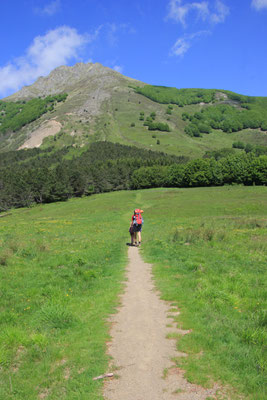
(137, 222)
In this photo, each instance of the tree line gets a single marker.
(45, 177)
(246, 169)
(104, 166)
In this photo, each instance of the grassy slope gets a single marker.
(60, 270)
(174, 142)
(115, 126)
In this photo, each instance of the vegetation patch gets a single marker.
(15, 115)
(181, 97)
(214, 244)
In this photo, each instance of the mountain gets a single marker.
(102, 104)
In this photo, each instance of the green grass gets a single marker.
(209, 252)
(61, 268)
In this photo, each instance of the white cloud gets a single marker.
(183, 44)
(50, 9)
(118, 68)
(259, 4)
(221, 12)
(57, 47)
(179, 11)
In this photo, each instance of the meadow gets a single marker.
(209, 254)
(62, 267)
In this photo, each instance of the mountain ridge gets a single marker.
(63, 78)
(104, 105)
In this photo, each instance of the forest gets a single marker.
(44, 176)
(35, 176)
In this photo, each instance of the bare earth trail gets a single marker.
(139, 347)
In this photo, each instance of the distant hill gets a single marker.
(100, 104)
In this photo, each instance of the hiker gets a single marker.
(136, 223)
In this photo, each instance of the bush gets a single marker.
(158, 126)
(238, 145)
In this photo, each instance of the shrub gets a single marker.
(158, 126)
(238, 145)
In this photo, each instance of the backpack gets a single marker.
(137, 220)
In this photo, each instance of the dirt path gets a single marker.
(139, 347)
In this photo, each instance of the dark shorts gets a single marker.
(137, 228)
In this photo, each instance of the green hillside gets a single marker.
(61, 267)
(110, 107)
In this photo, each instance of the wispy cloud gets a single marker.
(179, 11)
(118, 68)
(184, 43)
(50, 8)
(57, 47)
(220, 12)
(205, 13)
(259, 4)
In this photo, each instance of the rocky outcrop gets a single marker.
(86, 77)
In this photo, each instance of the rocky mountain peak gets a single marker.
(67, 79)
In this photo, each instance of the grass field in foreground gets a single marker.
(209, 248)
(61, 267)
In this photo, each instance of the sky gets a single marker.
(220, 44)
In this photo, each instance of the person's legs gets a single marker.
(139, 237)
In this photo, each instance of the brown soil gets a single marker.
(141, 353)
(48, 128)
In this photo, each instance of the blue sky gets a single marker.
(218, 44)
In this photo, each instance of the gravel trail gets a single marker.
(139, 348)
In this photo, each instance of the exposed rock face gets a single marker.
(48, 128)
(87, 77)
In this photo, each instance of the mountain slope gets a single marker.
(104, 105)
